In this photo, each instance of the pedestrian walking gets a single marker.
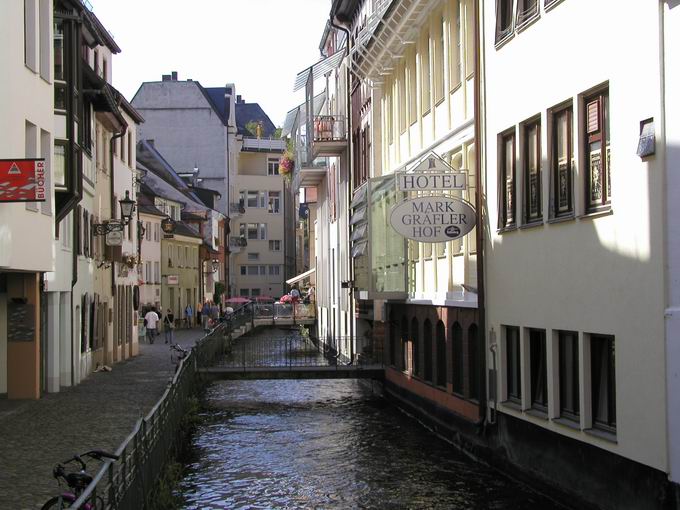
(189, 315)
(206, 316)
(151, 324)
(199, 311)
(169, 326)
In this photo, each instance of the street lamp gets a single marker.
(127, 207)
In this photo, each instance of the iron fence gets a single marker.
(125, 483)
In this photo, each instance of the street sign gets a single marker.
(23, 180)
(168, 225)
(173, 280)
(434, 219)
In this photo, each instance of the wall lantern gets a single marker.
(127, 207)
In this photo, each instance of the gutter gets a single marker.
(479, 232)
(350, 174)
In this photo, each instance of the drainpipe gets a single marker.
(350, 173)
(112, 197)
(479, 232)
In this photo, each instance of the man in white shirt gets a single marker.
(151, 322)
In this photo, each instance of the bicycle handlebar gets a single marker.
(93, 454)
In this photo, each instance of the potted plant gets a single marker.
(287, 165)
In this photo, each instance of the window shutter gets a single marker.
(593, 114)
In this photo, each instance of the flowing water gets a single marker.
(330, 444)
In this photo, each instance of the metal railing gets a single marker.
(125, 484)
(295, 351)
(329, 128)
(264, 144)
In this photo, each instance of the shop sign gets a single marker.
(173, 280)
(431, 181)
(114, 238)
(168, 225)
(22, 180)
(434, 219)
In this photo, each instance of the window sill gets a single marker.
(561, 219)
(550, 6)
(529, 21)
(596, 214)
(504, 230)
(567, 422)
(504, 40)
(533, 224)
(511, 404)
(537, 413)
(610, 437)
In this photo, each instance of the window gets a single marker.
(441, 355)
(30, 22)
(255, 292)
(253, 256)
(438, 44)
(532, 172)
(272, 166)
(251, 200)
(412, 87)
(274, 201)
(457, 355)
(157, 232)
(44, 32)
(513, 365)
(263, 231)
(603, 382)
(274, 270)
(562, 160)
(474, 353)
(415, 347)
(568, 376)
(60, 163)
(403, 341)
(244, 271)
(146, 275)
(244, 292)
(503, 19)
(427, 340)
(59, 66)
(253, 270)
(598, 179)
(455, 46)
(275, 245)
(425, 83)
(537, 362)
(526, 10)
(249, 230)
(507, 180)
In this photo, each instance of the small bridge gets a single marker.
(288, 356)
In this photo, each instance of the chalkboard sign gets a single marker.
(20, 322)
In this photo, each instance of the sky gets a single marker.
(259, 45)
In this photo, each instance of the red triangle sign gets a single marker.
(14, 170)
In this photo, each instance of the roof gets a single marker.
(299, 113)
(145, 203)
(184, 229)
(253, 112)
(218, 101)
(344, 10)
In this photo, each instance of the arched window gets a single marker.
(441, 355)
(427, 337)
(415, 347)
(474, 360)
(403, 351)
(457, 358)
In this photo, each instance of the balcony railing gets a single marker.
(263, 144)
(238, 242)
(236, 208)
(329, 128)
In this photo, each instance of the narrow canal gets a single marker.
(330, 444)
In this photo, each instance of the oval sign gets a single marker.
(433, 219)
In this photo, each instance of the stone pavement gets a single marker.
(99, 413)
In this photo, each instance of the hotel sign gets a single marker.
(431, 174)
(433, 219)
(23, 180)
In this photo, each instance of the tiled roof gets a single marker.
(253, 112)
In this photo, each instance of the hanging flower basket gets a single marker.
(287, 165)
(130, 260)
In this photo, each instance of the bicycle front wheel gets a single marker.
(57, 503)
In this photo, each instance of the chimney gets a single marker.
(151, 142)
(174, 76)
(238, 99)
(166, 77)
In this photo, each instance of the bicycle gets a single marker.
(177, 354)
(77, 481)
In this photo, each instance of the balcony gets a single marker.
(252, 144)
(330, 135)
(236, 243)
(236, 209)
(311, 174)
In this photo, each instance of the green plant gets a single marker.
(219, 290)
(304, 331)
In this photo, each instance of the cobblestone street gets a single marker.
(98, 413)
